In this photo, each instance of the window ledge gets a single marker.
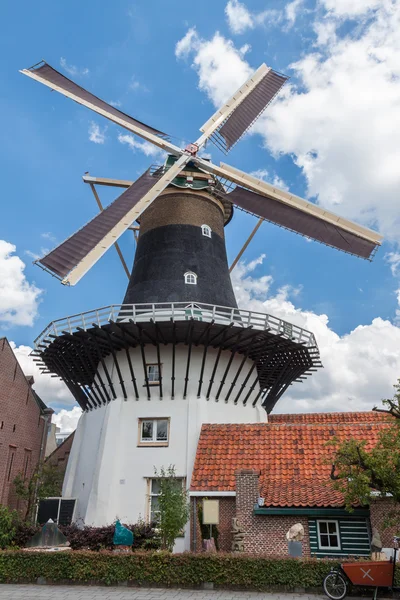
(152, 444)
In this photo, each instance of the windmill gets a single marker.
(178, 336)
(72, 259)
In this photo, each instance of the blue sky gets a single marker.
(125, 52)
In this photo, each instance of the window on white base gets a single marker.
(190, 278)
(206, 230)
(328, 535)
(154, 484)
(153, 373)
(153, 432)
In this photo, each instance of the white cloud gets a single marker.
(245, 49)
(19, 299)
(239, 17)
(355, 375)
(274, 180)
(37, 255)
(136, 86)
(72, 69)
(146, 147)
(67, 420)
(350, 8)
(51, 390)
(219, 65)
(96, 135)
(47, 235)
(341, 124)
(291, 12)
(115, 103)
(186, 45)
(393, 259)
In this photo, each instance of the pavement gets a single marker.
(77, 592)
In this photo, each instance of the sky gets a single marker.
(332, 135)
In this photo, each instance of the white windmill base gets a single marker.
(108, 471)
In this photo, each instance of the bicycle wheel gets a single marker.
(335, 586)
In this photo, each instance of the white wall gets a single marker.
(108, 472)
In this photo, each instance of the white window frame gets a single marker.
(153, 381)
(206, 230)
(151, 495)
(189, 275)
(153, 442)
(337, 533)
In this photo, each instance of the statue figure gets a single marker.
(238, 536)
(295, 533)
(123, 538)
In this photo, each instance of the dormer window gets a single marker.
(190, 278)
(206, 230)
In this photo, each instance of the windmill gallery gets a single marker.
(177, 354)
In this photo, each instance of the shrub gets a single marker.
(88, 538)
(7, 525)
(165, 569)
(23, 533)
(101, 538)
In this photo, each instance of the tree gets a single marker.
(172, 506)
(357, 471)
(45, 481)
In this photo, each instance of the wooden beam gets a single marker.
(118, 249)
(122, 183)
(253, 233)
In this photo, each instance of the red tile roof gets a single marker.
(290, 452)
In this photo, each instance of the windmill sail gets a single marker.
(294, 213)
(251, 108)
(74, 257)
(56, 80)
(305, 223)
(230, 123)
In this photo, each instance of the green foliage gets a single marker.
(165, 569)
(85, 538)
(45, 481)
(205, 529)
(173, 507)
(357, 470)
(7, 525)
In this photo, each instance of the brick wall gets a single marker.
(22, 425)
(380, 508)
(263, 534)
(59, 457)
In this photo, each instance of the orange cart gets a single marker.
(366, 574)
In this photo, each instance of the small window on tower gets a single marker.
(206, 230)
(190, 278)
(153, 374)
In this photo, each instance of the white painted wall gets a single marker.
(108, 472)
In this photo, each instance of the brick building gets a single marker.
(59, 457)
(24, 419)
(277, 474)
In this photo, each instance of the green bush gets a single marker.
(7, 525)
(85, 538)
(164, 569)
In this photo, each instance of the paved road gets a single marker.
(48, 592)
